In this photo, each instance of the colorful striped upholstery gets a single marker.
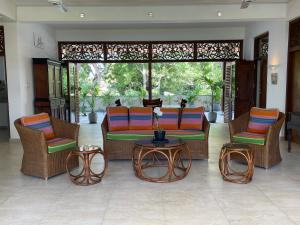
(192, 118)
(140, 118)
(39, 122)
(60, 144)
(261, 119)
(141, 134)
(249, 138)
(117, 118)
(169, 119)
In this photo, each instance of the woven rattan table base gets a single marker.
(170, 157)
(87, 176)
(229, 174)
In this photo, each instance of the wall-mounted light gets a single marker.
(219, 13)
(150, 14)
(82, 15)
(274, 73)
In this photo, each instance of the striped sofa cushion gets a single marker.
(39, 122)
(249, 138)
(192, 118)
(140, 118)
(261, 119)
(117, 118)
(131, 135)
(60, 144)
(169, 119)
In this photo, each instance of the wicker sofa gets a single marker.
(121, 149)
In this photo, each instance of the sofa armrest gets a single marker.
(65, 129)
(239, 124)
(206, 128)
(33, 141)
(104, 128)
(274, 130)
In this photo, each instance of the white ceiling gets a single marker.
(137, 2)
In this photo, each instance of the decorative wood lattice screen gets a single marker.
(167, 51)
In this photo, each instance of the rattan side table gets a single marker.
(244, 152)
(87, 176)
(174, 155)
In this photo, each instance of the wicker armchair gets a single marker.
(36, 159)
(266, 155)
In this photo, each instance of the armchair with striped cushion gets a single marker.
(47, 142)
(260, 129)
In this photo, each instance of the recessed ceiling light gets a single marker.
(82, 15)
(150, 14)
(219, 13)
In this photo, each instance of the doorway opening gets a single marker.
(4, 118)
(261, 47)
(94, 86)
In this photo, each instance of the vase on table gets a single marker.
(159, 135)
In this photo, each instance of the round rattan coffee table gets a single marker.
(174, 156)
(243, 152)
(87, 176)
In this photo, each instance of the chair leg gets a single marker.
(289, 136)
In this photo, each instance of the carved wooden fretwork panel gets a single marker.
(2, 46)
(81, 52)
(218, 50)
(127, 52)
(173, 51)
(150, 51)
(294, 35)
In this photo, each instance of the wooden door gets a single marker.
(228, 95)
(74, 93)
(245, 87)
(263, 83)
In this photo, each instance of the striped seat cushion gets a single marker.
(169, 119)
(140, 118)
(192, 118)
(131, 135)
(60, 144)
(261, 119)
(249, 138)
(117, 118)
(39, 122)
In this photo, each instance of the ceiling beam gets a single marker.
(183, 14)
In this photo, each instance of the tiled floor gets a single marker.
(202, 198)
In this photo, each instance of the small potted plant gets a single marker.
(92, 103)
(159, 134)
(214, 86)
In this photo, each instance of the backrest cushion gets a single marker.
(140, 118)
(261, 119)
(192, 118)
(39, 122)
(169, 119)
(117, 118)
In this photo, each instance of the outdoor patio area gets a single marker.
(202, 198)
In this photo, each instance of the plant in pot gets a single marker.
(94, 91)
(215, 87)
(85, 89)
(191, 97)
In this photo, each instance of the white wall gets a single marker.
(293, 9)
(151, 34)
(19, 53)
(278, 47)
(8, 9)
